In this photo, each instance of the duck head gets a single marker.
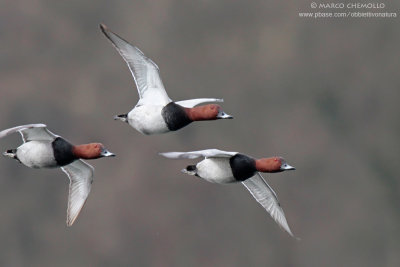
(91, 151)
(207, 112)
(273, 164)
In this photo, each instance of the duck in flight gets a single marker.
(156, 113)
(231, 167)
(43, 149)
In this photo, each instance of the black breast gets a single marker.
(243, 167)
(175, 116)
(63, 151)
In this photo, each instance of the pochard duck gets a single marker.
(156, 113)
(231, 167)
(43, 149)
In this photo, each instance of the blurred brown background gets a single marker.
(322, 93)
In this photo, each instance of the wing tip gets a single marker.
(33, 125)
(165, 154)
(286, 228)
(106, 31)
(20, 128)
(70, 221)
(103, 27)
(289, 231)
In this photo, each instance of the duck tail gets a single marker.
(121, 117)
(191, 170)
(11, 153)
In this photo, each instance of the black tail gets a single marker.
(122, 117)
(191, 170)
(12, 153)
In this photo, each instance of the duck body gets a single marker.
(46, 154)
(221, 170)
(158, 119)
(147, 119)
(37, 154)
(214, 170)
(155, 112)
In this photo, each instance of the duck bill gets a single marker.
(106, 153)
(289, 168)
(223, 115)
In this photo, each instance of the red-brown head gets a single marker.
(207, 112)
(91, 151)
(273, 164)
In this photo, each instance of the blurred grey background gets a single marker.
(322, 93)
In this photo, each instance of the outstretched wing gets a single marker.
(144, 71)
(207, 153)
(29, 132)
(264, 195)
(81, 177)
(194, 102)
